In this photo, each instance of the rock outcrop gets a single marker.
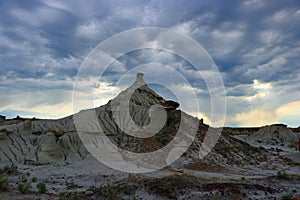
(137, 120)
(170, 104)
(276, 134)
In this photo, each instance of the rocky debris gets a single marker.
(277, 134)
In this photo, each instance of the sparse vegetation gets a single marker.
(173, 185)
(217, 197)
(12, 169)
(71, 196)
(287, 197)
(4, 183)
(163, 139)
(115, 191)
(71, 185)
(282, 174)
(24, 188)
(41, 187)
(134, 197)
(107, 191)
(24, 178)
(126, 189)
(245, 180)
(34, 179)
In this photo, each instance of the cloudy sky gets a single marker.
(255, 45)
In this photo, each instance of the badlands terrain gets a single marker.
(57, 159)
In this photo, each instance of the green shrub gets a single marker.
(41, 187)
(3, 183)
(24, 188)
(34, 179)
(287, 197)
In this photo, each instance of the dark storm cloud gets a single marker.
(44, 42)
(252, 34)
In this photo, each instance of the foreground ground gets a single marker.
(89, 179)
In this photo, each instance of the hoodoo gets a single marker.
(140, 77)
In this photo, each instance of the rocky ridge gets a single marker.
(56, 141)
